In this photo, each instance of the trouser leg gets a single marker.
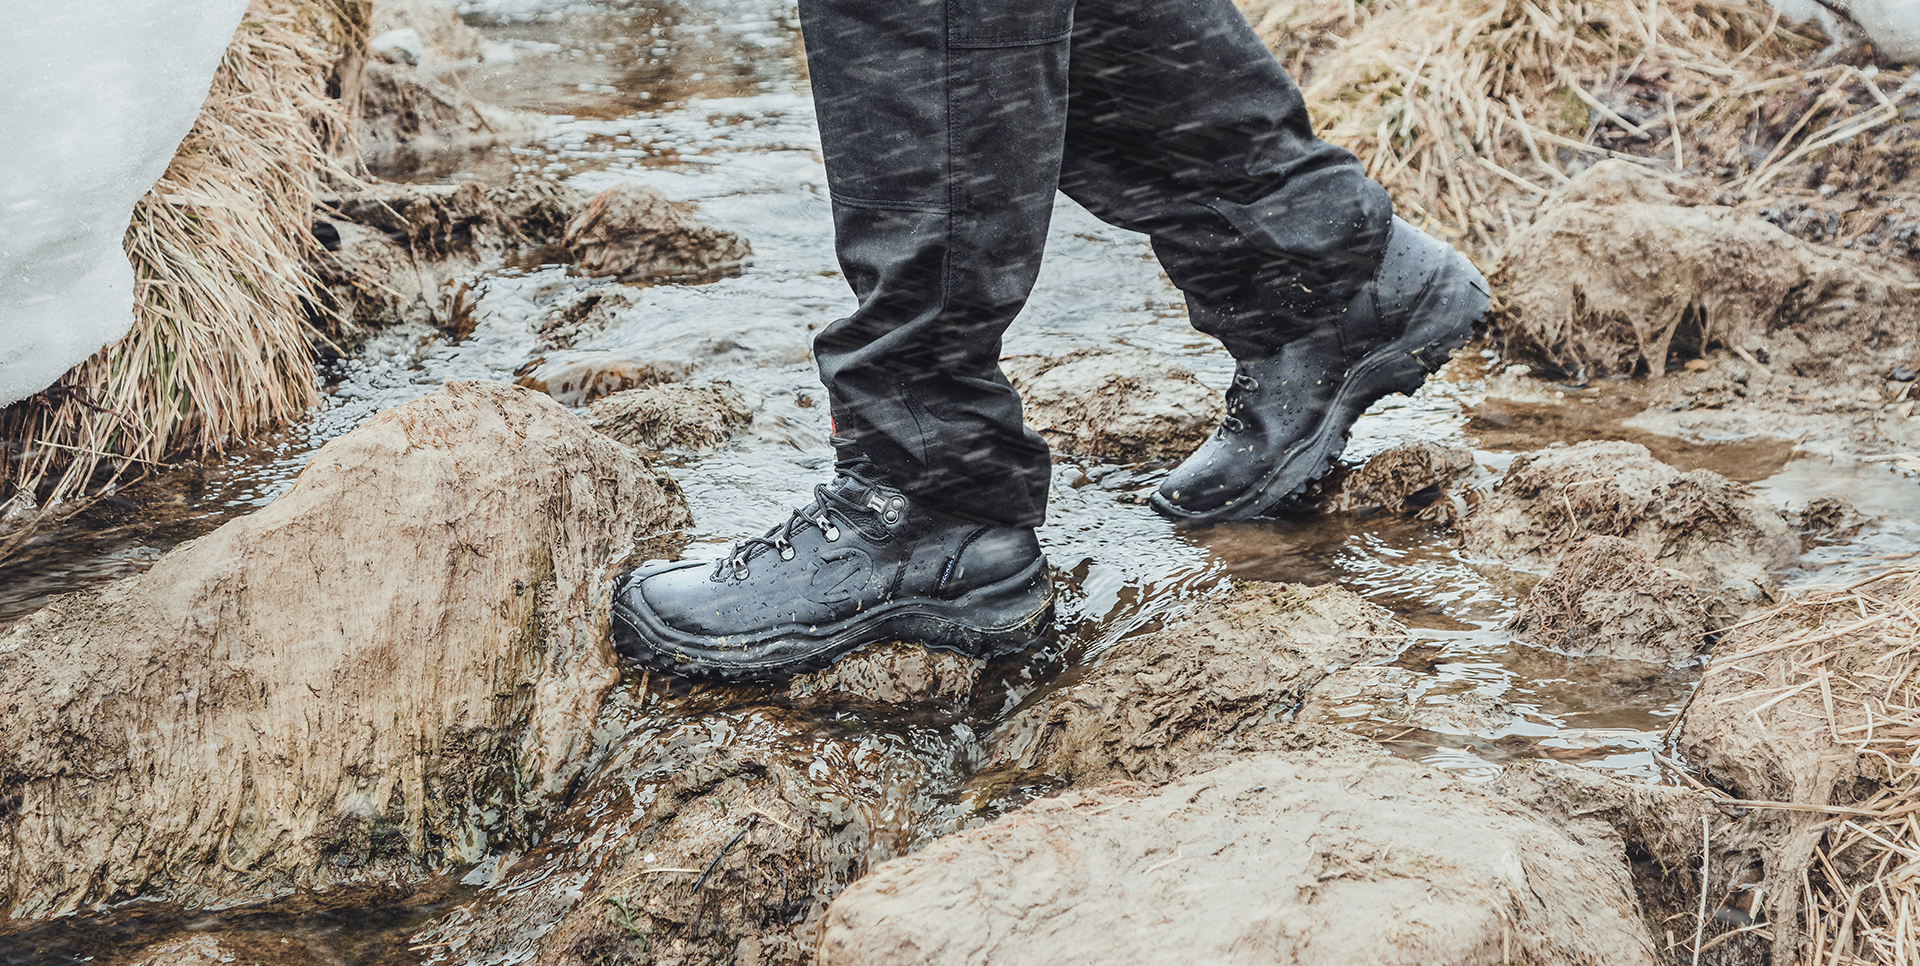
(1184, 126)
(942, 122)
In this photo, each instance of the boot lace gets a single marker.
(826, 501)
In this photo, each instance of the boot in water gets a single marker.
(861, 563)
(1288, 414)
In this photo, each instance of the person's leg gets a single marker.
(942, 124)
(1183, 126)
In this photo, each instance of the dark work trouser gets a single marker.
(947, 125)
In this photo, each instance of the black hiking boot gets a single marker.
(1288, 415)
(861, 563)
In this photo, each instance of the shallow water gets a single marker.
(705, 100)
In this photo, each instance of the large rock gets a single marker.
(1619, 272)
(1700, 523)
(384, 673)
(1118, 404)
(633, 232)
(1337, 854)
(1608, 597)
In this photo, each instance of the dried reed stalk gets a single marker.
(1852, 657)
(219, 347)
(1473, 111)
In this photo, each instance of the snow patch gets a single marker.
(99, 95)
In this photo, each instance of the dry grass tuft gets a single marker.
(1836, 675)
(1472, 111)
(220, 345)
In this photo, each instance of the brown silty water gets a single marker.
(706, 102)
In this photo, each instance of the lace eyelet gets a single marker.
(1233, 424)
(1246, 382)
(786, 550)
(740, 569)
(833, 533)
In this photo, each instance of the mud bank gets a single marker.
(389, 672)
(399, 253)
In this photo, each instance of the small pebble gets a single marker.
(1902, 374)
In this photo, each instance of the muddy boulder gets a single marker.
(1609, 597)
(1338, 853)
(385, 673)
(683, 417)
(1620, 274)
(1700, 523)
(1411, 478)
(632, 232)
(701, 836)
(1118, 404)
(1155, 702)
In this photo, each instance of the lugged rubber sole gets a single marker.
(1017, 611)
(1400, 366)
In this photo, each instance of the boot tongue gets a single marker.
(858, 492)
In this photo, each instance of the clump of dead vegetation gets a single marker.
(221, 341)
(1473, 111)
(1813, 709)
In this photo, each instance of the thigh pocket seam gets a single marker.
(979, 43)
(874, 203)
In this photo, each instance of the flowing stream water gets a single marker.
(706, 101)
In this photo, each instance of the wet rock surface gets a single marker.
(1334, 854)
(1400, 698)
(262, 711)
(401, 253)
(584, 315)
(889, 679)
(633, 232)
(1156, 703)
(1620, 274)
(717, 835)
(1609, 597)
(684, 417)
(1119, 404)
(416, 114)
(1700, 523)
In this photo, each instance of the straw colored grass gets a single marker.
(1473, 111)
(220, 345)
(1834, 678)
